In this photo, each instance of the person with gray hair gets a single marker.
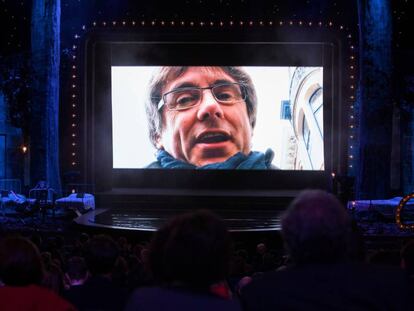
(316, 230)
(203, 118)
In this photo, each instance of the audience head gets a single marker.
(316, 228)
(20, 262)
(77, 271)
(407, 257)
(191, 250)
(101, 255)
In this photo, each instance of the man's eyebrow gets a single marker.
(190, 84)
(184, 85)
(222, 81)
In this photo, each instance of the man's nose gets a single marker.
(209, 107)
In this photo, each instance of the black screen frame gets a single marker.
(103, 49)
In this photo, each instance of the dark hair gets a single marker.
(101, 254)
(407, 253)
(169, 73)
(76, 268)
(20, 262)
(316, 228)
(192, 249)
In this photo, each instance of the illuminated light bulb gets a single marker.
(351, 137)
(310, 23)
(251, 23)
(231, 23)
(182, 23)
(73, 105)
(73, 163)
(74, 47)
(24, 149)
(73, 67)
(162, 23)
(73, 154)
(114, 23)
(74, 57)
(104, 23)
(280, 23)
(270, 23)
(333, 174)
(201, 24)
(172, 23)
(73, 115)
(73, 125)
(241, 23)
(191, 24)
(300, 23)
(290, 23)
(83, 27)
(123, 23)
(351, 156)
(94, 23)
(143, 23)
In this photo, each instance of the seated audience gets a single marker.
(316, 231)
(21, 272)
(76, 271)
(99, 292)
(189, 260)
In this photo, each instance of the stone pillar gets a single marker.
(376, 104)
(44, 128)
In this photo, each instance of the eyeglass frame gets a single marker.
(242, 86)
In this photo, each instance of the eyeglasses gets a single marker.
(188, 97)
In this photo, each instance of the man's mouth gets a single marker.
(212, 138)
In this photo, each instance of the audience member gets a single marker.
(21, 272)
(76, 271)
(316, 230)
(99, 292)
(189, 260)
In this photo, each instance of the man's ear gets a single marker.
(158, 142)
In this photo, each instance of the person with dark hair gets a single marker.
(76, 271)
(99, 292)
(203, 118)
(316, 230)
(21, 272)
(189, 260)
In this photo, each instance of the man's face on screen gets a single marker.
(210, 131)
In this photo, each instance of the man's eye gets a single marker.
(186, 100)
(225, 96)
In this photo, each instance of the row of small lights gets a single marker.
(351, 99)
(154, 23)
(398, 211)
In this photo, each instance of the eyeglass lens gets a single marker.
(189, 97)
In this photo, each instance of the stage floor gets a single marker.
(150, 220)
